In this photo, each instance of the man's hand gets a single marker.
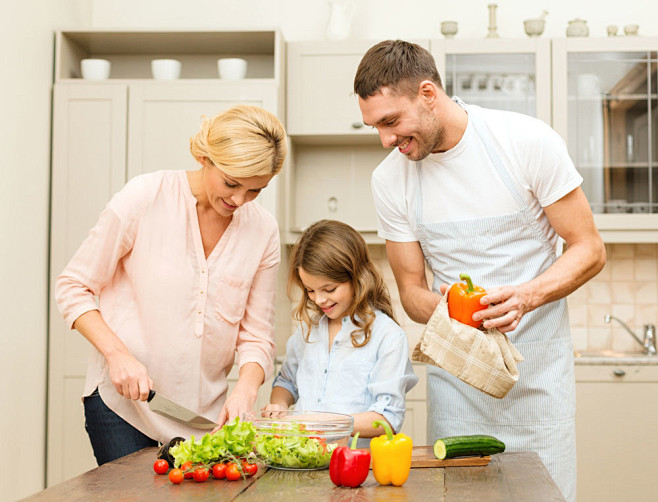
(507, 306)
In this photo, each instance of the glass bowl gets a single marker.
(297, 439)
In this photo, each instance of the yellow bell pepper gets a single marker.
(391, 456)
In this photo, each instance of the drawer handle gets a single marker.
(618, 372)
(357, 125)
(332, 204)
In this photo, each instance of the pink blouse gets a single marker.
(183, 316)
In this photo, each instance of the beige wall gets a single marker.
(26, 48)
(375, 19)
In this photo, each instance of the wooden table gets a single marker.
(509, 477)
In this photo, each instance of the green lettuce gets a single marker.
(234, 439)
(291, 448)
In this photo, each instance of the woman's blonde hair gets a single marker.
(335, 251)
(242, 141)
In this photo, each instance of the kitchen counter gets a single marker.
(608, 357)
(508, 477)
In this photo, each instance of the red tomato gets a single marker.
(249, 469)
(176, 476)
(219, 471)
(232, 472)
(161, 466)
(201, 474)
(186, 467)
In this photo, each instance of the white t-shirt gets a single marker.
(462, 183)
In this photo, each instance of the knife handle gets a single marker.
(151, 395)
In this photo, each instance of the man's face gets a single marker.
(402, 121)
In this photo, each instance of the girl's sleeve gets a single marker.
(391, 378)
(255, 342)
(287, 377)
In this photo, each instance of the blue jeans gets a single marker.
(110, 435)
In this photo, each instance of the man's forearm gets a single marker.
(419, 303)
(574, 268)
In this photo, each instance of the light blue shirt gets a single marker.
(348, 379)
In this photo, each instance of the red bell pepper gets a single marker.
(349, 466)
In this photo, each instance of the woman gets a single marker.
(184, 266)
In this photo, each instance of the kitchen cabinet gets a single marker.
(333, 154)
(605, 105)
(616, 441)
(505, 74)
(415, 417)
(106, 132)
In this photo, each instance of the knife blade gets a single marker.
(169, 409)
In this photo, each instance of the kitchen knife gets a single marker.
(167, 408)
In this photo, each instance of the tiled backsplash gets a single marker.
(627, 288)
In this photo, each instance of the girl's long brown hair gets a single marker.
(335, 251)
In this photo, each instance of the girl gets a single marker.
(348, 354)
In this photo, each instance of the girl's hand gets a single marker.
(129, 376)
(275, 407)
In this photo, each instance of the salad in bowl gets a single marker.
(297, 439)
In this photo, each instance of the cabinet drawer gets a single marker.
(617, 373)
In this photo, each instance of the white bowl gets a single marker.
(95, 69)
(232, 68)
(165, 69)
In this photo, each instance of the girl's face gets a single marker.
(226, 193)
(334, 298)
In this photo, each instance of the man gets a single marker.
(488, 193)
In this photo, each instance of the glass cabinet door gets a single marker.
(504, 74)
(612, 128)
(500, 81)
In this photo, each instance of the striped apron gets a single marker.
(538, 413)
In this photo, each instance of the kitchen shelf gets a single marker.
(131, 51)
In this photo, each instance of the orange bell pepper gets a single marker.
(464, 301)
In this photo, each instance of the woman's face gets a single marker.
(334, 298)
(226, 193)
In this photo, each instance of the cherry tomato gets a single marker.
(249, 469)
(232, 472)
(161, 466)
(186, 467)
(201, 474)
(176, 476)
(219, 471)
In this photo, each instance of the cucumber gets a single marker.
(463, 446)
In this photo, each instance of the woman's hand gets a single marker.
(236, 404)
(129, 376)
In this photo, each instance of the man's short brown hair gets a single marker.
(396, 64)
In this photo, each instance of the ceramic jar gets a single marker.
(577, 28)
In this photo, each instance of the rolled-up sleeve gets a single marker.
(255, 342)
(287, 377)
(92, 267)
(391, 378)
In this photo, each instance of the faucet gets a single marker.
(649, 343)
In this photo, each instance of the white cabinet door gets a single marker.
(162, 119)
(616, 441)
(320, 95)
(88, 166)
